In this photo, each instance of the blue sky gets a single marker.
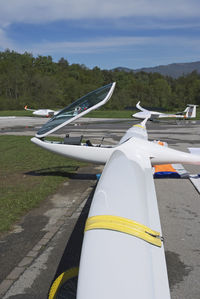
(106, 33)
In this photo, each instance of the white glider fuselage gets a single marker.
(155, 115)
(189, 112)
(45, 112)
(42, 112)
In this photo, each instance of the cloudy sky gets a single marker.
(103, 33)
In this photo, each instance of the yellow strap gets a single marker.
(124, 225)
(140, 126)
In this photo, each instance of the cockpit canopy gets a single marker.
(80, 107)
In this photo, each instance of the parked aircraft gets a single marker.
(50, 113)
(189, 112)
(122, 252)
(42, 112)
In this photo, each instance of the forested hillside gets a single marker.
(174, 70)
(41, 83)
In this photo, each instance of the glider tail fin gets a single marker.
(139, 107)
(26, 108)
(138, 131)
(143, 123)
(190, 111)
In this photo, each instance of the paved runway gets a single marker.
(30, 255)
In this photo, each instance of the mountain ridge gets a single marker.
(173, 70)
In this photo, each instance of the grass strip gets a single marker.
(28, 175)
(93, 114)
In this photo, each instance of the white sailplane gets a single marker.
(123, 252)
(42, 112)
(188, 113)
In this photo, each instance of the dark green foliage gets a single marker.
(41, 83)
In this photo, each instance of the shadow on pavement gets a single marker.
(71, 257)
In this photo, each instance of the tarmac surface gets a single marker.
(48, 239)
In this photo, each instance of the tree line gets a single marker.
(39, 82)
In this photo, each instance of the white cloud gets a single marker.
(155, 23)
(139, 51)
(120, 15)
(40, 11)
(115, 44)
(89, 46)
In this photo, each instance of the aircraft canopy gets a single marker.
(80, 107)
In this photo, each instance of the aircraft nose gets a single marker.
(137, 115)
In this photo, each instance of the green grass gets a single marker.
(15, 113)
(93, 114)
(28, 175)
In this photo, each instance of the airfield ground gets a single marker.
(31, 253)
